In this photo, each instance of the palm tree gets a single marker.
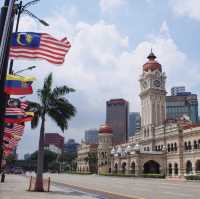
(54, 104)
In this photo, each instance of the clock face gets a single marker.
(157, 83)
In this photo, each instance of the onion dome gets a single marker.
(105, 128)
(152, 64)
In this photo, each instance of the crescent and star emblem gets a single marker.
(28, 39)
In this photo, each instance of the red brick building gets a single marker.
(54, 139)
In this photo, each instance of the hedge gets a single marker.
(193, 177)
(133, 175)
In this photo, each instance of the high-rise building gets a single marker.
(134, 123)
(117, 117)
(71, 146)
(177, 89)
(54, 139)
(91, 136)
(183, 103)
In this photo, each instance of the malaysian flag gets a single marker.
(13, 134)
(32, 45)
(18, 114)
(17, 129)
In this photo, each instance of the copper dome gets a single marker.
(105, 128)
(152, 64)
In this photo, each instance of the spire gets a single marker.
(151, 56)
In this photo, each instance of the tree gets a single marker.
(54, 104)
(49, 157)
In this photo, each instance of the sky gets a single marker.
(110, 42)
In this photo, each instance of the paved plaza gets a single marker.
(15, 188)
(66, 186)
(134, 187)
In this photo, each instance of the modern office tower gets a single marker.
(54, 140)
(134, 123)
(177, 89)
(71, 146)
(183, 103)
(117, 117)
(91, 136)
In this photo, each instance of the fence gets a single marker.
(46, 184)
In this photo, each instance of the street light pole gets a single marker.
(6, 25)
(22, 9)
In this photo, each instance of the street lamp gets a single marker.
(25, 69)
(20, 10)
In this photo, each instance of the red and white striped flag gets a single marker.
(32, 45)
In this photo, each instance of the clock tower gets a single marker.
(152, 95)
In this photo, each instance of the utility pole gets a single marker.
(6, 26)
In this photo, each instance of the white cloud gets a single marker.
(100, 66)
(110, 5)
(190, 8)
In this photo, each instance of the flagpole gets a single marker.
(6, 26)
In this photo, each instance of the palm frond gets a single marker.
(37, 109)
(45, 92)
(61, 110)
(61, 91)
(58, 118)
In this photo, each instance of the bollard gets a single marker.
(3, 177)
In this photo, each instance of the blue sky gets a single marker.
(110, 41)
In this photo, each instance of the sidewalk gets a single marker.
(15, 188)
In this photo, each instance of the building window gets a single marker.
(189, 167)
(172, 147)
(195, 144)
(189, 146)
(175, 146)
(175, 169)
(170, 169)
(168, 147)
(186, 146)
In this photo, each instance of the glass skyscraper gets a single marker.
(184, 103)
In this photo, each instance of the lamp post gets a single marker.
(20, 10)
(25, 69)
(8, 12)
(6, 26)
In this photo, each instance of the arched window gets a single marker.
(156, 148)
(175, 146)
(124, 167)
(175, 169)
(186, 146)
(188, 167)
(116, 167)
(172, 147)
(197, 166)
(170, 169)
(198, 144)
(168, 147)
(189, 145)
(195, 144)
(159, 148)
(102, 154)
(133, 168)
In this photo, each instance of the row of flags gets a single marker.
(16, 116)
(32, 46)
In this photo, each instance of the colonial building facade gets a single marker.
(170, 148)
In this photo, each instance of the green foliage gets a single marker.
(133, 175)
(152, 175)
(53, 103)
(10, 160)
(67, 157)
(49, 157)
(193, 177)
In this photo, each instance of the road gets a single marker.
(132, 187)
